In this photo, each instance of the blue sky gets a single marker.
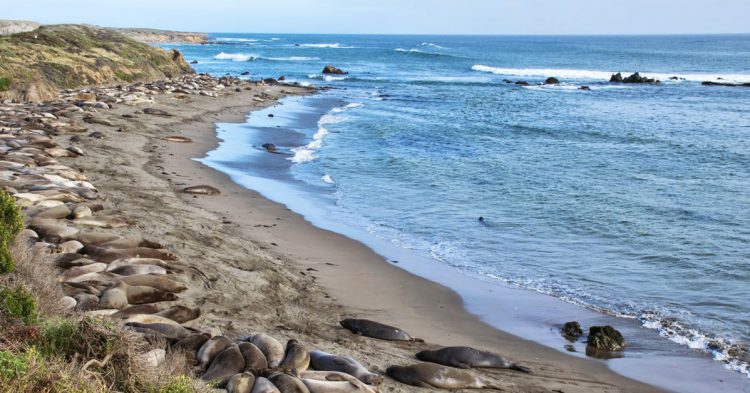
(398, 16)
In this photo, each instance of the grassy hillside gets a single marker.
(35, 64)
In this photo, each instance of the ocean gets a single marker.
(630, 201)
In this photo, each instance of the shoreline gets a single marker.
(389, 294)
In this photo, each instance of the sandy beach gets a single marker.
(255, 266)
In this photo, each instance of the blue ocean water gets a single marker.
(631, 200)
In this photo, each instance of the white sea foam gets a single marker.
(327, 179)
(230, 39)
(605, 75)
(306, 153)
(292, 58)
(327, 78)
(236, 56)
(430, 44)
(332, 46)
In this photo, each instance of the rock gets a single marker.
(634, 78)
(270, 115)
(585, 88)
(156, 112)
(507, 81)
(96, 135)
(245, 73)
(194, 62)
(270, 81)
(572, 330)
(522, 83)
(709, 83)
(269, 147)
(329, 69)
(605, 338)
(552, 81)
(616, 78)
(282, 78)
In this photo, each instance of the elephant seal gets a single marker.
(324, 361)
(141, 294)
(78, 271)
(467, 357)
(121, 243)
(378, 330)
(157, 281)
(287, 383)
(210, 349)
(271, 348)
(431, 375)
(201, 190)
(296, 357)
(318, 386)
(110, 255)
(147, 309)
(115, 297)
(137, 270)
(180, 314)
(86, 302)
(190, 346)
(241, 383)
(263, 385)
(170, 332)
(177, 138)
(150, 318)
(226, 364)
(69, 247)
(94, 238)
(255, 360)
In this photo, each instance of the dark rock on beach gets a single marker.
(572, 330)
(270, 147)
(552, 81)
(329, 69)
(605, 338)
(156, 112)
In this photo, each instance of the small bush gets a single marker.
(57, 337)
(11, 365)
(4, 83)
(178, 384)
(6, 258)
(19, 303)
(11, 219)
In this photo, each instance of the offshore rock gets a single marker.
(605, 338)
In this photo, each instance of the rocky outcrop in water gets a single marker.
(552, 81)
(605, 338)
(572, 330)
(634, 78)
(329, 69)
(709, 83)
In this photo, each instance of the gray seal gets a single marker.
(323, 361)
(467, 357)
(287, 383)
(255, 360)
(378, 330)
(226, 364)
(431, 375)
(296, 357)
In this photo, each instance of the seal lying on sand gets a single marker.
(430, 375)
(211, 349)
(272, 349)
(287, 383)
(263, 385)
(226, 364)
(324, 361)
(374, 329)
(296, 357)
(201, 190)
(241, 383)
(318, 386)
(467, 357)
(255, 360)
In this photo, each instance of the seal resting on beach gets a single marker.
(378, 330)
(180, 314)
(171, 332)
(263, 385)
(467, 357)
(241, 383)
(115, 297)
(318, 386)
(201, 190)
(296, 357)
(210, 349)
(287, 383)
(177, 138)
(324, 361)
(226, 364)
(138, 294)
(431, 375)
(110, 255)
(271, 348)
(156, 281)
(254, 358)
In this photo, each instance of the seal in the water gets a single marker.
(287, 383)
(467, 357)
(255, 360)
(324, 361)
(296, 357)
(201, 190)
(226, 364)
(271, 348)
(210, 349)
(378, 330)
(241, 383)
(431, 375)
(263, 385)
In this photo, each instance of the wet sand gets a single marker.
(257, 266)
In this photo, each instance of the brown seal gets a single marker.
(180, 314)
(271, 348)
(156, 281)
(287, 383)
(226, 364)
(263, 385)
(210, 349)
(467, 357)
(255, 360)
(296, 357)
(201, 190)
(141, 294)
(431, 375)
(378, 330)
(324, 361)
(241, 383)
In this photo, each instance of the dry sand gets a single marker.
(255, 266)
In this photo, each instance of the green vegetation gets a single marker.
(4, 83)
(42, 61)
(12, 365)
(11, 224)
(18, 303)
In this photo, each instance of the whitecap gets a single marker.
(327, 179)
(236, 56)
(231, 39)
(430, 44)
(330, 46)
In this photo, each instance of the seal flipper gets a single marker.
(518, 367)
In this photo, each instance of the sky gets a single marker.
(397, 16)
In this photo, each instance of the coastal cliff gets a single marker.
(36, 64)
(154, 36)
